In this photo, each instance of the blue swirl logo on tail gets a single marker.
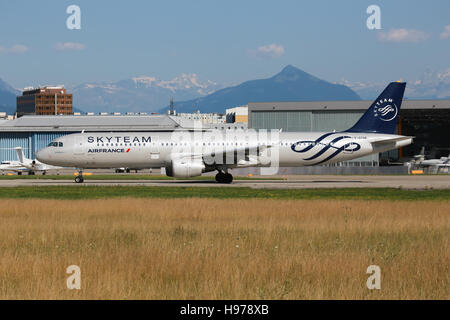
(386, 112)
(324, 147)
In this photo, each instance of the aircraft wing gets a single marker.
(241, 155)
(441, 165)
(16, 168)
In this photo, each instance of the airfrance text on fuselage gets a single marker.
(108, 150)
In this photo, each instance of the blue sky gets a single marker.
(225, 41)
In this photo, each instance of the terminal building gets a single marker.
(44, 101)
(237, 114)
(204, 118)
(426, 120)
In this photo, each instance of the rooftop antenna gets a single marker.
(171, 107)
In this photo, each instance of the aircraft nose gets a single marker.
(42, 155)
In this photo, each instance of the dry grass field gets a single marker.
(194, 248)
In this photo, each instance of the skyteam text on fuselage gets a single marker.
(188, 153)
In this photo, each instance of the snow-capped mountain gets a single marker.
(291, 84)
(430, 85)
(190, 92)
(140, 94)
(182, 82)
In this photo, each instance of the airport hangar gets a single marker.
(426, 120)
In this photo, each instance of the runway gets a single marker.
(285, 182)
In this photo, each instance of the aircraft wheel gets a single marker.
(220, 177)
(228, 178)
(19, 173)
(224, 177)
(79, 179)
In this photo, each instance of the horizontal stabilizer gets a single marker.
(397, 139)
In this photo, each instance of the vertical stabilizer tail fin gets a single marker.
(382, 115)
(20, 155)
(422, 151)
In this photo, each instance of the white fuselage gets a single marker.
(231, 149)
(15, 166)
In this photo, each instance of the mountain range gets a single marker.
(190, 92)
(430, 85)
(291, 84)
(139, 94)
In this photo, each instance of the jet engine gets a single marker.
(185, 168)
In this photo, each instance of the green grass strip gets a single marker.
(99, 192)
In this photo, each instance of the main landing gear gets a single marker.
(79, 177)
(224, 177)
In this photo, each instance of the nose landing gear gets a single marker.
(79, 177)
(224, 177)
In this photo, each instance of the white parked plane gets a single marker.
(419, 161)
(33, 165)
(15, 166)
(190, 153)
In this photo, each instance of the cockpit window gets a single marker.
(53, 144)
(60, 144)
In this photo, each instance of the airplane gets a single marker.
(188, 153)
(420, 161)
(419, 157)
(15, 166)
(33, 166)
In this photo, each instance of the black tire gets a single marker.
(79, 179)
(228, 178)
(220, 177)
(19, 173)
(224, 177)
